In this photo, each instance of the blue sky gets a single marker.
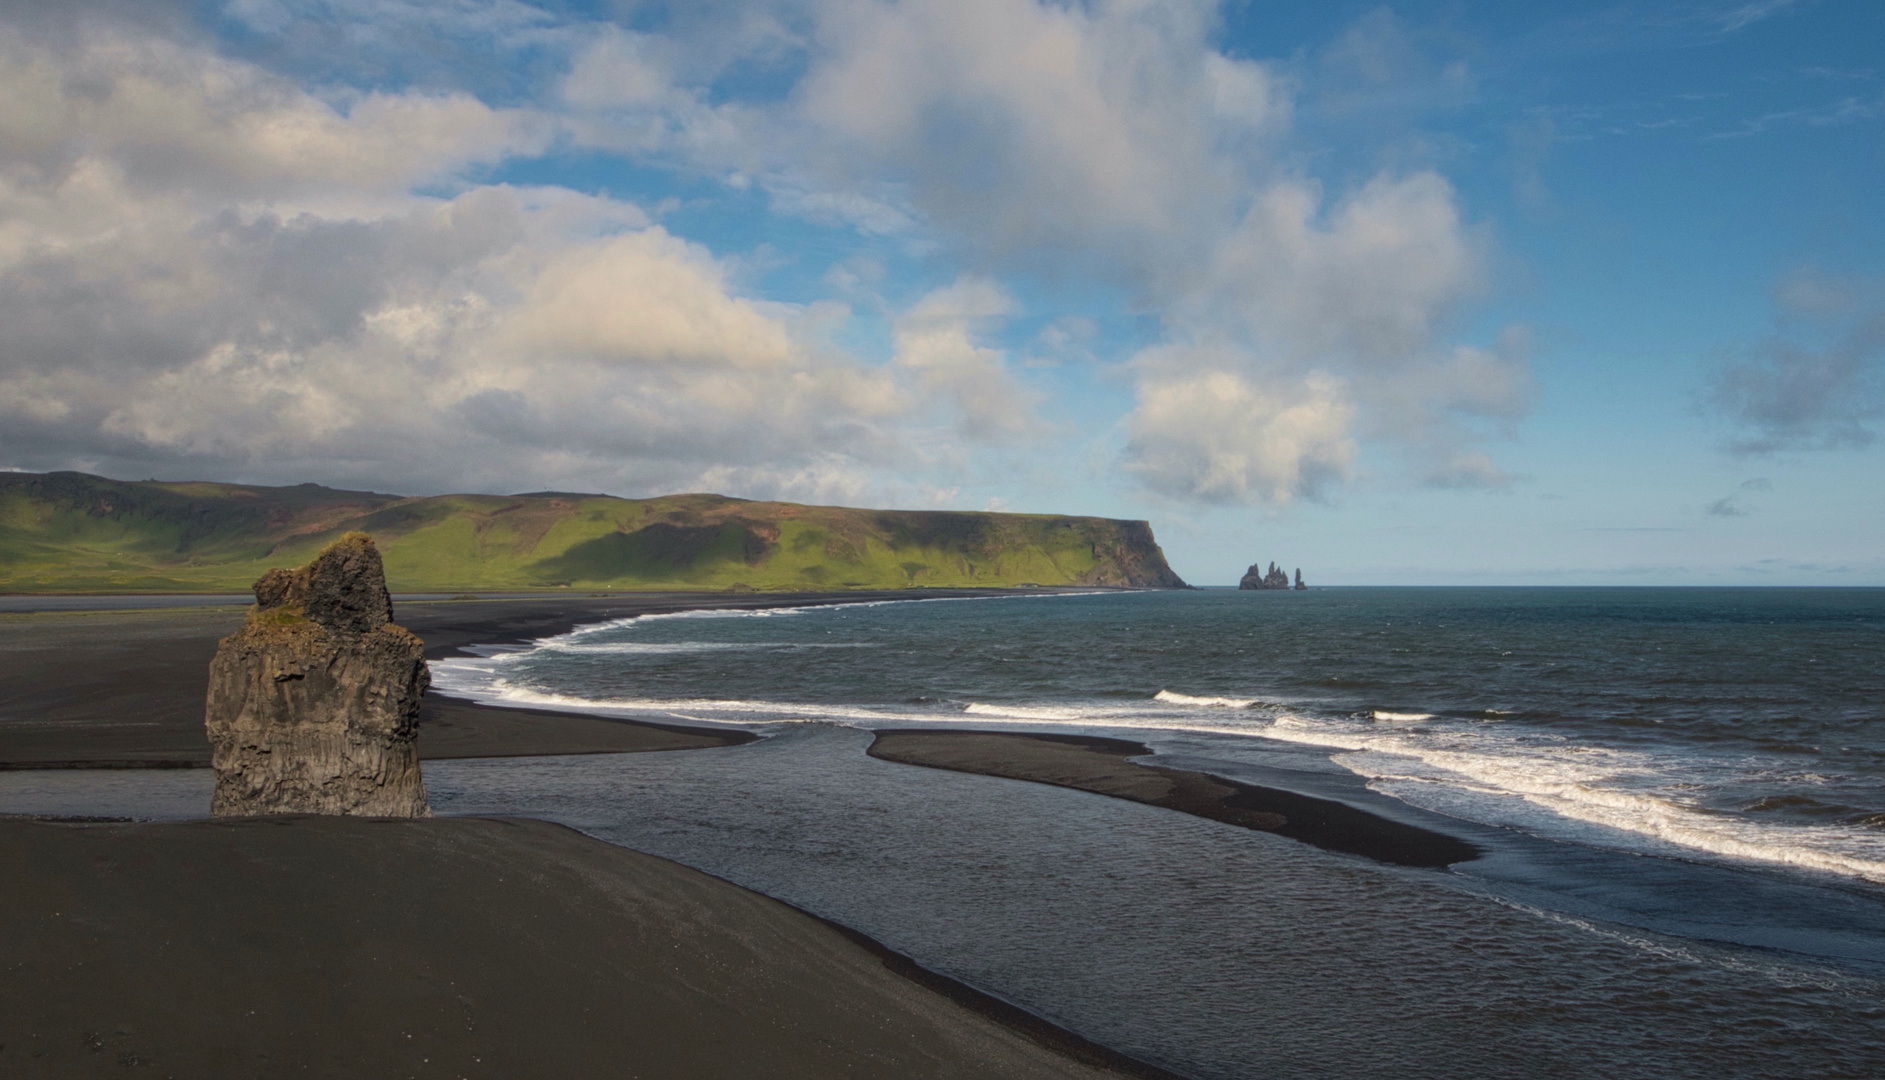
(1413, 293)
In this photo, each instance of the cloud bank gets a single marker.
(213, 264)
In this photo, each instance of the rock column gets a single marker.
(314, 703)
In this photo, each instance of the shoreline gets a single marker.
(124, 688)
(161, 669)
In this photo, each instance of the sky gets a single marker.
(1421, 293)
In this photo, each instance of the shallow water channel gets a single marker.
(1206, 948)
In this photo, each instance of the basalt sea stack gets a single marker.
(314, 703)
(1256, 578)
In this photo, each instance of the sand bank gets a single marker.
(1103, 766)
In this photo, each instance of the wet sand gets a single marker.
(454, 948)
(1103, 766)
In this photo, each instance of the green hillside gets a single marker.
(71, 532)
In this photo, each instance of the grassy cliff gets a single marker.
(70, 532)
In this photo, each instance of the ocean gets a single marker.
(1680, 794)
(1740, 726)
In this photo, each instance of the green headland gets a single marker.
(68, 532)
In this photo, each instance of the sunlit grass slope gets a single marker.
(70, 532)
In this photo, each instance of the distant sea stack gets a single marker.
(1275, 578)
(314, 703)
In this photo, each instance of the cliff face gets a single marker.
(313, 705)
(1132, 558)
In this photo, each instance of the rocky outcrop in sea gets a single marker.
(314, 704)
(1275, 578)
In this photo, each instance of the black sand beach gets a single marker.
(463, 947)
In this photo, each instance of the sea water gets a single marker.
(1743, 726)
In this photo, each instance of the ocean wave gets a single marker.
(1173, 698)
(1384, 714)
(1541, 785)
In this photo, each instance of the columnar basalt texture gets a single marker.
(314, 703)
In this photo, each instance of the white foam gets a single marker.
(1507, 781)
(1383, 714)
(1026, 712)
(655, 648)
(1173, 698)
(591, 629)
(500, 692)
(647, 648)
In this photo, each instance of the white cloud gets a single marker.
(171, 117)
(211, 268)
(1298, 295)
(1366, 284)
(643, 297)
(936, 339)
(621, 70)
(1215, 437)
(1015, 124)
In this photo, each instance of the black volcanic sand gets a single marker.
(463, 947)
(125, 688)
(1103, 766)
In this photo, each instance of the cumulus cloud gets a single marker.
(1025, 126)
(1215, 437)
(163, 116)
(1353, 295)
(201, 265)
(936, 339)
